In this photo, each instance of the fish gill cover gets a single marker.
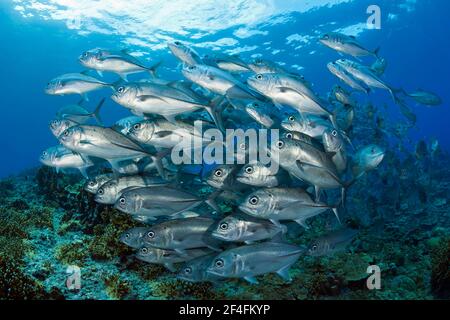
(189, 144)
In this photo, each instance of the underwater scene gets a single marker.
(212, 150)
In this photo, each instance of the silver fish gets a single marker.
(235, 228)
(74, 83)
(152, 98)
(58, 126)
(180, 234)
(124, 125)
(342, 96)
(110, 191)
(346, 44)
(331, 243)
(60, 157)
(95, 183)
(259, 175)
(184, 53)
(102, 143)
(366, 75)
(165, 134)
(282, 204)
(226, 62)
(217, 81)
(224, 178)
(366, 159)
(334, 144)
(290, 91)
(168, 257)
(344, 76)
(257, 259)
(120, 62)
(310, 125)
(133, 237)
(154, 202)
(195, 270)
(426, 98)
(79, 114)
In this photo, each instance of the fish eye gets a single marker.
(188, 270)
(151, 234)
(256, 104)
(224, 226)
(314, 248)
(254, 200)
(326, 37)
(144, 250)
(259, 76)
(137, 126)
(100, 191)
(280, 144)
(122, 200)
(92, 183)
(291, 118)
(127, 235)
(121, 89)
(249, 170)
(191, 67)
(177, 43)
(218, 172)
(85, 54)
(289, 135)
(66, 133)
(219, 263)
(334, 133)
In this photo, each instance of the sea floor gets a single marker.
(48, 222)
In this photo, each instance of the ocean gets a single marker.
(407, 197)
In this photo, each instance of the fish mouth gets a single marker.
(242, 178)
(212, 271)
(218, 235)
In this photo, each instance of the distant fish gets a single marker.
(346, 44)
(332, 243)
(366, 159)
(421, 150)
(184, 53)
(120, 62)
(79, 114)
(74, 83)
(425, 98)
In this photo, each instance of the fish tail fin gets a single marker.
(157, 160)
(213, 108)
(344, 190)
(376, 52)
(152, 70)
(335, 210)
(96, 113)
(211, 201)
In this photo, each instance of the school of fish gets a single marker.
(316, 154)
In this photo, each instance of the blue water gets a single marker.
(40, 43)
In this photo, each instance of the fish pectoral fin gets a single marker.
(163, 134)
(287, 90)
(148, 97)
(181, 252)
(170, 267)
(170, 118)
(302, 222)
(284, 273)
(84, 172)
(251, 280)
(249, 242)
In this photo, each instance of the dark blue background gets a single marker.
(33, 51)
